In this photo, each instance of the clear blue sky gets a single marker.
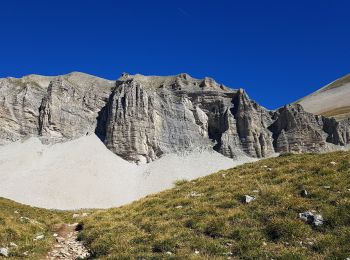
(278, 51)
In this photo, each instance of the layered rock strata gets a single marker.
(140, 118)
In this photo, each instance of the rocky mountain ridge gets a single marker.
(141, 118)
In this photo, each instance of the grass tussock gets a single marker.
(206, 218)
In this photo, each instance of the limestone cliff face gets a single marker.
(147, 117)
(144, 124)
(19, 103)
(71, 105)
(141, 118)
(295, 130)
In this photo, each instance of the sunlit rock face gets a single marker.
(141, 118)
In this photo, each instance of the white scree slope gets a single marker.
(83, 173)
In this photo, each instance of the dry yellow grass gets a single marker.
(21, 224)
(205, 218)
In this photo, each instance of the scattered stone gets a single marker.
(59, 239)
(223, 175)
(264, 244)
(16, 212)
(311, 218)
(194, 194)
(39, 237)
(327, 187)
(68, 247)
(265, 166)
(256, 191)
(55, 235)
(13, 244)
(178, 207)
(196, 252)
(75, 215)
(269, 169)
(84, 214)
(247, 198)
(4, 252)
(24, 219)
(333, 163)
(32, 221)
(318, 220)
(169, 253)
(304, 193)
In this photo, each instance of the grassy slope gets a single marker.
(21, 224)
(207, 215)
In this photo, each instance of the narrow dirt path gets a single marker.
(67, 246)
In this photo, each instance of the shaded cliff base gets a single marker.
(83, 173)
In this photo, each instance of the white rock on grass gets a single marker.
(311, 218)
(40, 237)
(247, 198)
(13, 244)
(4, 251)
(304, 193)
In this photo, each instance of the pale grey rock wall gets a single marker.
(176, 113)
(71, 105)
(295, 130)
(55, 108)
(19, 103)
(140, 118)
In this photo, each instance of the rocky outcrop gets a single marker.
(146, 120)
(19, 103)
(338, 132)
(69, 110)
(295, 130)
(56, 108)
(252, 122)
(140, 118)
